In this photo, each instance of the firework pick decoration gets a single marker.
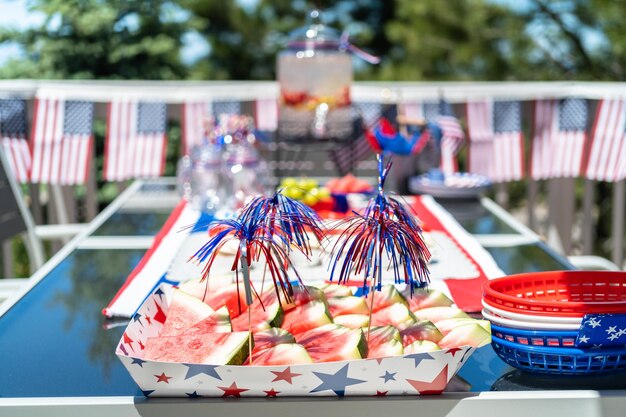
(267, 227)
(385, 232)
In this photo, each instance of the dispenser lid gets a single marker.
(315, 35)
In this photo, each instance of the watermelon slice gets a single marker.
(472, 334)
(445, 326)
(219, 295)
(420, 346)
(200, 348)
(387, 296)
(305, 317)
(265, 313)
(304, 295)
(422, 330)
(353, 321)
(271, 337)
(347, 305)
(282, 354)
(397, 315)
(184, 311)
(436, 314)
(335, 290)
(218, 322)
(334, 343)
(384, 341)
(425, 298)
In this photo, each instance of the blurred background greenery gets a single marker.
(428, 40)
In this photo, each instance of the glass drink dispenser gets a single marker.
(314, 75)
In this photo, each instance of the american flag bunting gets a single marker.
(196, 115)
(607, 154)
(266, 114)
(62, 141)
(559, 135)
(13, 134)
(496, 144)
(136, 140)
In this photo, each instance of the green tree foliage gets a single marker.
(115, 39)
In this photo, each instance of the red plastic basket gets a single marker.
(559, 293)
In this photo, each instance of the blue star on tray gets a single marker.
(202, 369)
(159, 292)
(147, 393)
(193, 394)
(418, 357)
(137, 361)
(136, 317)
(389, 376)
(336, 382)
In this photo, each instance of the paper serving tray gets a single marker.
(424, 373)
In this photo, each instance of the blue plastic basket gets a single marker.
(558, 360)
(545, 338)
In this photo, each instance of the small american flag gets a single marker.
(62, 141)
(607, 155)
(443, 115)
(559, 135)
(266, 114)
(196, 115)
(496, 141)
(136, 140)
(13, 134)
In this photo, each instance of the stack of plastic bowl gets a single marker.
(536, 317)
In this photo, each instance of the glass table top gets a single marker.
(475, 218)
(527, 258)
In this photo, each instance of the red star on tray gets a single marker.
(163, 378)
(232, 391)
(436, 386)
(381, 393)
(453, 351)
(149, 320)
(141, 345)
(285, 375)
(127, 339)
(272, 393)
(160, 315)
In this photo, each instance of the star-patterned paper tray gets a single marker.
(424, 373)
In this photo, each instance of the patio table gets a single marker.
(57, 350)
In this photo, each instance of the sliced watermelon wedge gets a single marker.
(387, 296)
(334, 343)
(445, 326)
(184, 311)
(282, 354)
(422, 330)
(304, 295)
(335, 290)
(271, 337)
(265, 313)
(218, 322)
(472, 334)
(420, 346)
(306, 317)
(384, 341)
(218, 295)
(199, 348)
(425, 298)
(436, 314)
(347, 305)
(397, 315)
(353, 321)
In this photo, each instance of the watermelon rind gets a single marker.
(306, 317)
(436, 314)
(322, 342)
(446, 325)
(397, 315)
(386, 297)
(425, 298)
(272, 337)
(282, 354)
(353, 321)
(386, 349)
(218, 322)
(472, 334)
(422, 330)
(339, 306)
(335, 290)
(421, 346)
